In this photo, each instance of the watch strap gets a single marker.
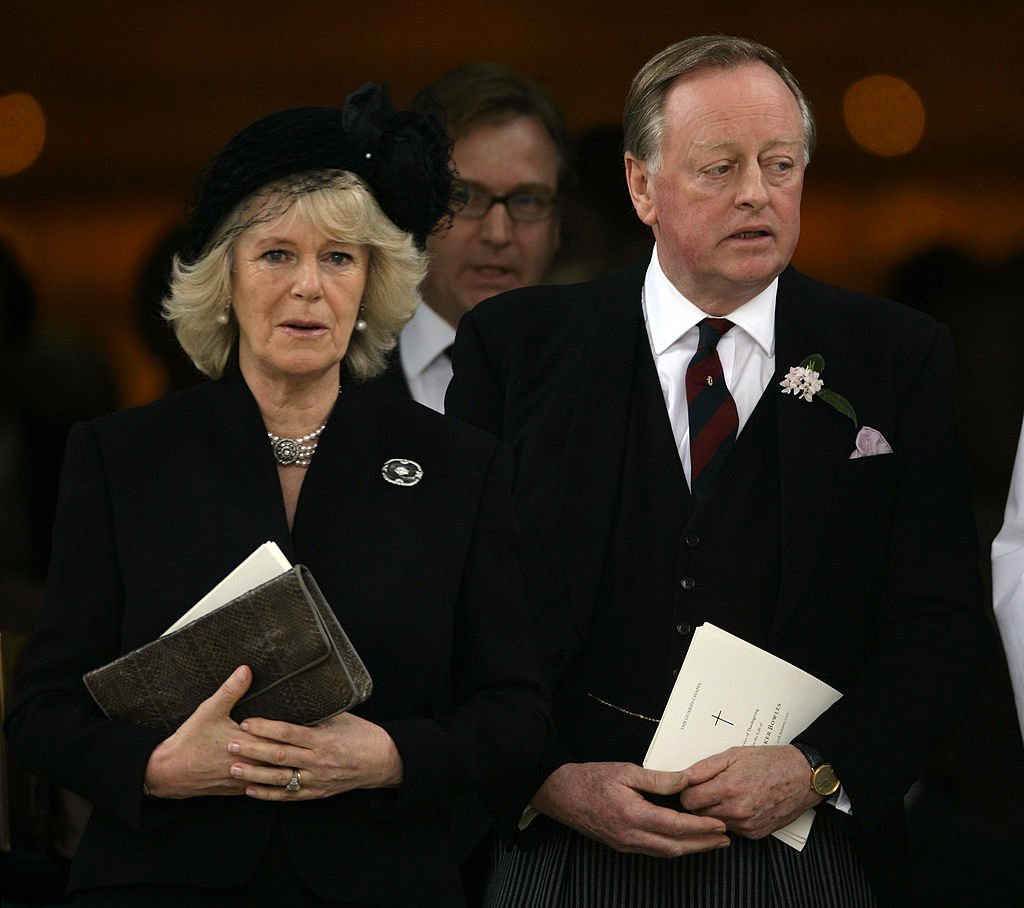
(811, 754)
(824, 780)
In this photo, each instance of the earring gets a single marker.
(223, 318)
(360, 325)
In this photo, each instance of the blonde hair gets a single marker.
(338, 204)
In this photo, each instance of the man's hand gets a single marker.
(605, 801)
(754, 790)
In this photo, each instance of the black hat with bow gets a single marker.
(404, 158)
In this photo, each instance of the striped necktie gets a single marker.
(712, 411)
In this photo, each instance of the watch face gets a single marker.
(825, 781)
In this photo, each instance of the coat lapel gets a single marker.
(811, 437)
(590, 477)
(344, 479)
(247, 476)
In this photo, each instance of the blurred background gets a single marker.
(109, 109)
(132, 98)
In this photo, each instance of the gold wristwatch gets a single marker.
(824, 780)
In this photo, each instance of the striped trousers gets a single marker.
(568, 870)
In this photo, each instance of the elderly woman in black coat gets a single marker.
(305, 254)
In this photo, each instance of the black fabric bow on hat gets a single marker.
(404, 157)
(407, 159)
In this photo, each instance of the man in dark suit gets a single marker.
(510, 151)
(683, 456)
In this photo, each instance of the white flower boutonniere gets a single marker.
(804, 381)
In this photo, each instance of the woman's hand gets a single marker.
(341, 754)
(194, 761)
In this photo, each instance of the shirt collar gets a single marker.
(670, 314)
(424, 339)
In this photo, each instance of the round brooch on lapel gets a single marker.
(401, 472)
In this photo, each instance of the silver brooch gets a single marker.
(401, 472)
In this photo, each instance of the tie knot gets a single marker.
(711, 331)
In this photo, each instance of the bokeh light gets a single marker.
(884, 115)
(22, 132)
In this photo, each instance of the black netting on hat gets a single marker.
(403, 157)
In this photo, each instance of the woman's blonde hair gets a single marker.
(338, 204)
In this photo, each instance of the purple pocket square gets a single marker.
(869, 443)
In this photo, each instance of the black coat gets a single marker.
(880, 590)
(159, 503)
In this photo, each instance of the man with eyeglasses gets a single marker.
(510, 150)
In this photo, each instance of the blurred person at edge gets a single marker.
(306, 248)
(1008, 580)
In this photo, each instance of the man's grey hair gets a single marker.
(643, 120)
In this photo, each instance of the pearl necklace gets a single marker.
(295, 451)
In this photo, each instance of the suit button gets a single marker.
(683, 629)
(693, 540)
(687, 583)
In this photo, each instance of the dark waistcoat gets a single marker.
(671, 565)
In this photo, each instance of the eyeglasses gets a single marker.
(526, 206)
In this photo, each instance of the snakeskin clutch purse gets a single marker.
(304, 668)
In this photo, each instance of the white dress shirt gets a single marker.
(1008, 580)
(747, 351)
(427, 368)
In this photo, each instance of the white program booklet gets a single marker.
(730, 693)
(262, 565)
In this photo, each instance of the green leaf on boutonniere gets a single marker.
(839, 402)
(815, 362)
